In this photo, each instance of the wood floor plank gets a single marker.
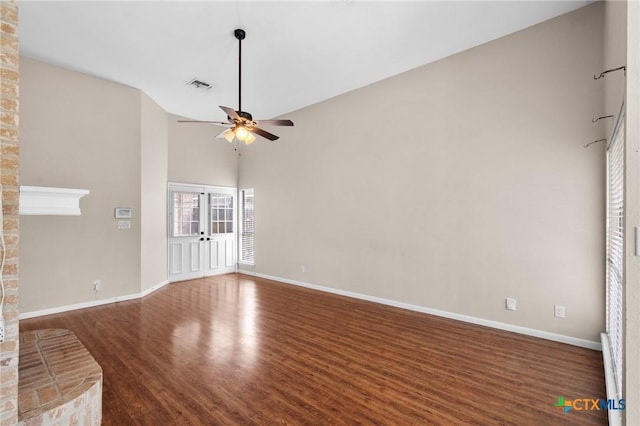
(234, 350)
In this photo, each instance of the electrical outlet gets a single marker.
(303, 268)
(1, 330)
(510, 304)
(558, 311)
(96, 285)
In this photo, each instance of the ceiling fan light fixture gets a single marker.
(250, 139)
(228, 135)
(242, 133)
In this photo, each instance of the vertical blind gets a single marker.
(247, 226)
(615, 245)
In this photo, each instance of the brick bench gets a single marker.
(59, 381)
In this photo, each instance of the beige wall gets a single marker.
(195, 157)
(84, 132)
(451, 186)
(615, 52)
(153, 223)
(79, 132)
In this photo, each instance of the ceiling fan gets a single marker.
(243, 126)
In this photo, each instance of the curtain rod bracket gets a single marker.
(602, 74)
(595, 120)
(591, 143)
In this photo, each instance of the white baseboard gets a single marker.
(460, 317)
(154, 288)
(246, 272)
(92, 303)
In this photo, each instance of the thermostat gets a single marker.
(123, 213)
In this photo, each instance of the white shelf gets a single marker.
(39, 200)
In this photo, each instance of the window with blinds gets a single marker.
(247, 226)
(615, 246)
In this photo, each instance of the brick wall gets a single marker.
(9, 163)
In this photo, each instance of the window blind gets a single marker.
(247, 227)
(615, 245)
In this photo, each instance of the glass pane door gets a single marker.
(186, 214)
(202, 237)
(221, 213)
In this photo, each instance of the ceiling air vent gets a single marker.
(199, 84)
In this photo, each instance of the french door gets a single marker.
(202, 231)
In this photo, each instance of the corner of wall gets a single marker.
(154, 140)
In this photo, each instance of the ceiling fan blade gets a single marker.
(204, 121)
(263, 133)
(274, 123)
(231, 113)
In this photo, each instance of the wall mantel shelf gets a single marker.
(39, 200)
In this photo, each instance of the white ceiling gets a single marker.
(295, 53)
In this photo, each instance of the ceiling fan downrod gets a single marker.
(240, 35)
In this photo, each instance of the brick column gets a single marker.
(9, 162)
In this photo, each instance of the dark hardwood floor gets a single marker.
(233, 350)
